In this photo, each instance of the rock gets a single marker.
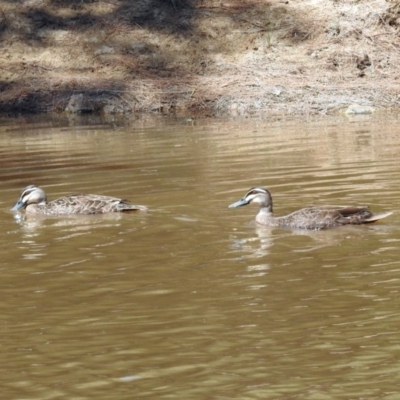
(357, 109)
(277, 90)
(78, 103)
(102, 103)
(104, 50)
(138, 47)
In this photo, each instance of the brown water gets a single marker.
(191, 300)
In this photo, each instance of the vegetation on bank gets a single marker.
(198, 56)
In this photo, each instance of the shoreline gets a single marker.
(199, 58)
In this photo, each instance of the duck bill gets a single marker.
(18, 206)
(239, 203)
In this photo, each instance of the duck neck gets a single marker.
(265, 215)
(267, 205)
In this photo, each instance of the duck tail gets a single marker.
(378, 216)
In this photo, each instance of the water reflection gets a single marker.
(302, 240)
(39, 228)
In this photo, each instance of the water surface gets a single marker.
(192, 300)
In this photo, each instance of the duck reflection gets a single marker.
(39, 234)
(256, 246)
(308, 240)
(270, 243)
(32, 222)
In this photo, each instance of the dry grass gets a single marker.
(234, 56)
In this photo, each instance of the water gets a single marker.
(191, 300)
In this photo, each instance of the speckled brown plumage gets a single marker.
(34, 200)
(307, 218)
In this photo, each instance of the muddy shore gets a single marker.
(199, 57)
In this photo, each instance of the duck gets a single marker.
(313, 218)
(33, 200)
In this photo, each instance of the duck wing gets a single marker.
(92, 204)
(325, 217)
(361, 215)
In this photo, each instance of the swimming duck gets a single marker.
(307, 218)
(34, 200)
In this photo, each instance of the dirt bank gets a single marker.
(199, 56)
